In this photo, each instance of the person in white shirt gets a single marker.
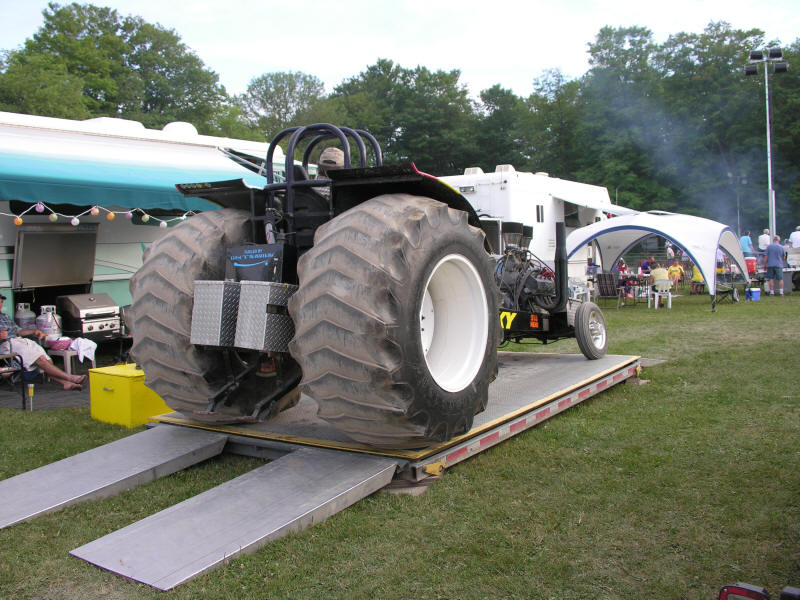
(794, 239)
(763, 241)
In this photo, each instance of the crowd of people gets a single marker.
(772, 254)
(769, 255)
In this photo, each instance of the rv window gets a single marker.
(539, 213)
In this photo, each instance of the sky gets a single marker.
(506, 42)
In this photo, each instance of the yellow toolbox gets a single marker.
(118, 395)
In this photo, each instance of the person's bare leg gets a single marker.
(67, 385)
(68, 381)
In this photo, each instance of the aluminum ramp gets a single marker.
(293, 492)
(318, 471)
(105, 471)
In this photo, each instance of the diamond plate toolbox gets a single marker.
(216, 305)
(263, 322)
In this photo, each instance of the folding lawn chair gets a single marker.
(607, 288)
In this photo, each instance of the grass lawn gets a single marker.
(665, 490)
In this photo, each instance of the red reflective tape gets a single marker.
(518, 425)
(542, 414)
(584, 393)
(564, 402)
(632, 371)
(490, 438)
(454, 455)
(618, 376)
(602, 384)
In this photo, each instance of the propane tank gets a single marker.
(25, 317)
(49, 323)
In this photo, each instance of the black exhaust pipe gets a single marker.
(560, 264)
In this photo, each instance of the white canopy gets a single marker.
(697, 236)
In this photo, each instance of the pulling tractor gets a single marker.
(374, 291)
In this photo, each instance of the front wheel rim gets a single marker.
(597, 330)
(454, 322)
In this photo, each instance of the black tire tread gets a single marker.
(162, 291)
(582, 333)
(347, 320)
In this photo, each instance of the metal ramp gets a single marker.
(104, 471)
(302, 488)
(317, 471)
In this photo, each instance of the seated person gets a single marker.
(658, 273)
(330, 160)
(31, 353)
(675, 272)
(698, 283)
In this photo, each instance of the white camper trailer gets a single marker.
(538, 201)
(89, 196)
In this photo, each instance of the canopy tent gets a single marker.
(56, 161)
(697, 236)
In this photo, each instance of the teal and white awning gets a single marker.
(84, 168)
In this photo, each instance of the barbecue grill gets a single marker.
(90, 316)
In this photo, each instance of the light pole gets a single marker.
(738, 181)
(775, 56)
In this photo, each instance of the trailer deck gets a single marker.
(530, 387)
(315, 471)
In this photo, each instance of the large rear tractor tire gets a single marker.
(396, 322)
(185, 375)
(590, 330)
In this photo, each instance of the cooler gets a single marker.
(751, 263)
(118, 396)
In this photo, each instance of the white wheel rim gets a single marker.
(597, 330)
(454, 322)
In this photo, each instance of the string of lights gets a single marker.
(53, 215)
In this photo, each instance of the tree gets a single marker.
(274, 101)
(124, 67)
(173, 82)
(90, 43)
(229, 121)
(501, 127)
(552, 126)
(40, 85)
(707, 99)
(416, 114)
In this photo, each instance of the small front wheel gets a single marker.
(590, 330)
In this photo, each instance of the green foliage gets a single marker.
(172, 82)
(551, 134)
(673, 126)
(416, 114)
(121, 67)
(503, 123)
(274, 101)
(40, 84)
(229, 121)
(89, 42)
